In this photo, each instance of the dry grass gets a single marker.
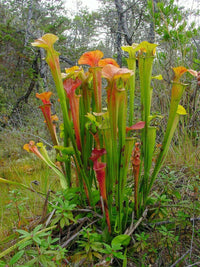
(18, 205)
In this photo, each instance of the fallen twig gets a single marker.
(50, 216)
(170, 222)
(180, 259)
(89, 210)
(44, 210)
(130, 230)
(64, 245)
(194, 264)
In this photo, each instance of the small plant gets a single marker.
(169, 240)
(63, 214)
(35, 248)
(17, 201)
(90, 246)
(115, 249)
(141, 241)
(159, 202)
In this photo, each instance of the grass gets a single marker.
(17, 203)
(19, 206)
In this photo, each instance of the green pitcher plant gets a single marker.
(103, 137)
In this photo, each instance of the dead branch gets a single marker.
(130, 230)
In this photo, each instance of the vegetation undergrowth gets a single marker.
(159, 241)
(114, 206)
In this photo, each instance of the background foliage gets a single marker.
(116, 23)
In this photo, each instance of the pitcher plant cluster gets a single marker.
(102, 140)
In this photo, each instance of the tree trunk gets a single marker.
(119, 44)
(30, 14)
(25, 97)
(151, 35)
(122, 21)
(43, 69)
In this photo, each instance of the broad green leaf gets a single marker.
(116, 247)
(119, 255)
(121, 239)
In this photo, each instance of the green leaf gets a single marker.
(44, 261)
(24, 233)
(5, 181)
(25, 244)
(37, 239)
(97, 255)
(116, 247)
(107, 249)
(51, 264)
(65, 150)
(32, 252)
(91, 117)
(37, 228)
(96, 246)
(44, 234)
(121, 240)
(63, 158)
(62, 223)
(54, 221)
(2, 264)
(177, 195)
(119, 255)
(16, 257)
(87, 248)
(31, 263)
